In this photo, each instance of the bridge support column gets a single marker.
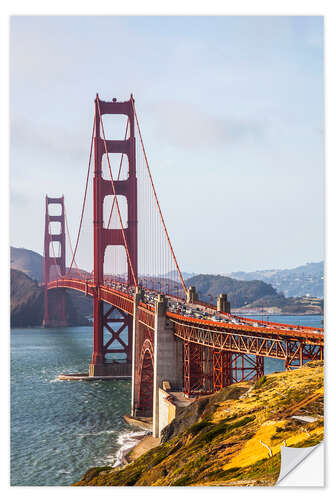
(100, 366)
(96, 367)
(193, 368)
(207, 372)
(135, 351)
(168, 365)
(191, 295)
(223, 305)
(230, 368)
(222, 369)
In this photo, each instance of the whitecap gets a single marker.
(96, 433)
(54, 380)
(127, 441)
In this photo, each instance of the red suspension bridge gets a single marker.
(147, 324)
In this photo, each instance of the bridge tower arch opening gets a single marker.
(54, 261)
(146, 384)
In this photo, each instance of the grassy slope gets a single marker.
(223, 446)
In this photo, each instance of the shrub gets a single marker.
(196, 428)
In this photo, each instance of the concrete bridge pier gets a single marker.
(223, 305)
(168, 365)
(138, 297)
(191, 295)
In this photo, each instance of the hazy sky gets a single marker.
(231, 110)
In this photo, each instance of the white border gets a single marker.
(174, 7)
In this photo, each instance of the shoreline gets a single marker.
(145, 443)
(143, 440)
(128, 441)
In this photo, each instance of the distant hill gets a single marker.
(173, 275)
(27, 306)
(279, 304)
(31, 263)
(27, 261)
(252, 295)
(26, 300)
(250, 290)
(299, 281)
(305, 280)
(240, 293)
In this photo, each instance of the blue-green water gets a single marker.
(59, 429)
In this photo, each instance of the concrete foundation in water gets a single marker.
(87, 377)
(141, 422)
(106, 371)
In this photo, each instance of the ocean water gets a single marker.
(59, 429)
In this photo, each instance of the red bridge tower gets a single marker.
(104, 237)
(54, 302)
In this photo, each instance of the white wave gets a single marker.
(54, 380)
(127, 441)
(96, 433)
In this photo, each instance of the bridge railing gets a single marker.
(243, 329)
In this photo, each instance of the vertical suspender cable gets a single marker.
(156, 199)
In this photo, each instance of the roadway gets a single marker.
(208, 313)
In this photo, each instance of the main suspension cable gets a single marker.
(71, 248)
(85, 196)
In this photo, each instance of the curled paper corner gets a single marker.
(302, 466)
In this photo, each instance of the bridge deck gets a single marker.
(121, 296)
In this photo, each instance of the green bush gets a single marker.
(196, 428)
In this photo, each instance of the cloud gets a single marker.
(46, 139)
(242, 95)
(185, 125)
(19, 199)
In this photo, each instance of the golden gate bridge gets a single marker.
(147, 325)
